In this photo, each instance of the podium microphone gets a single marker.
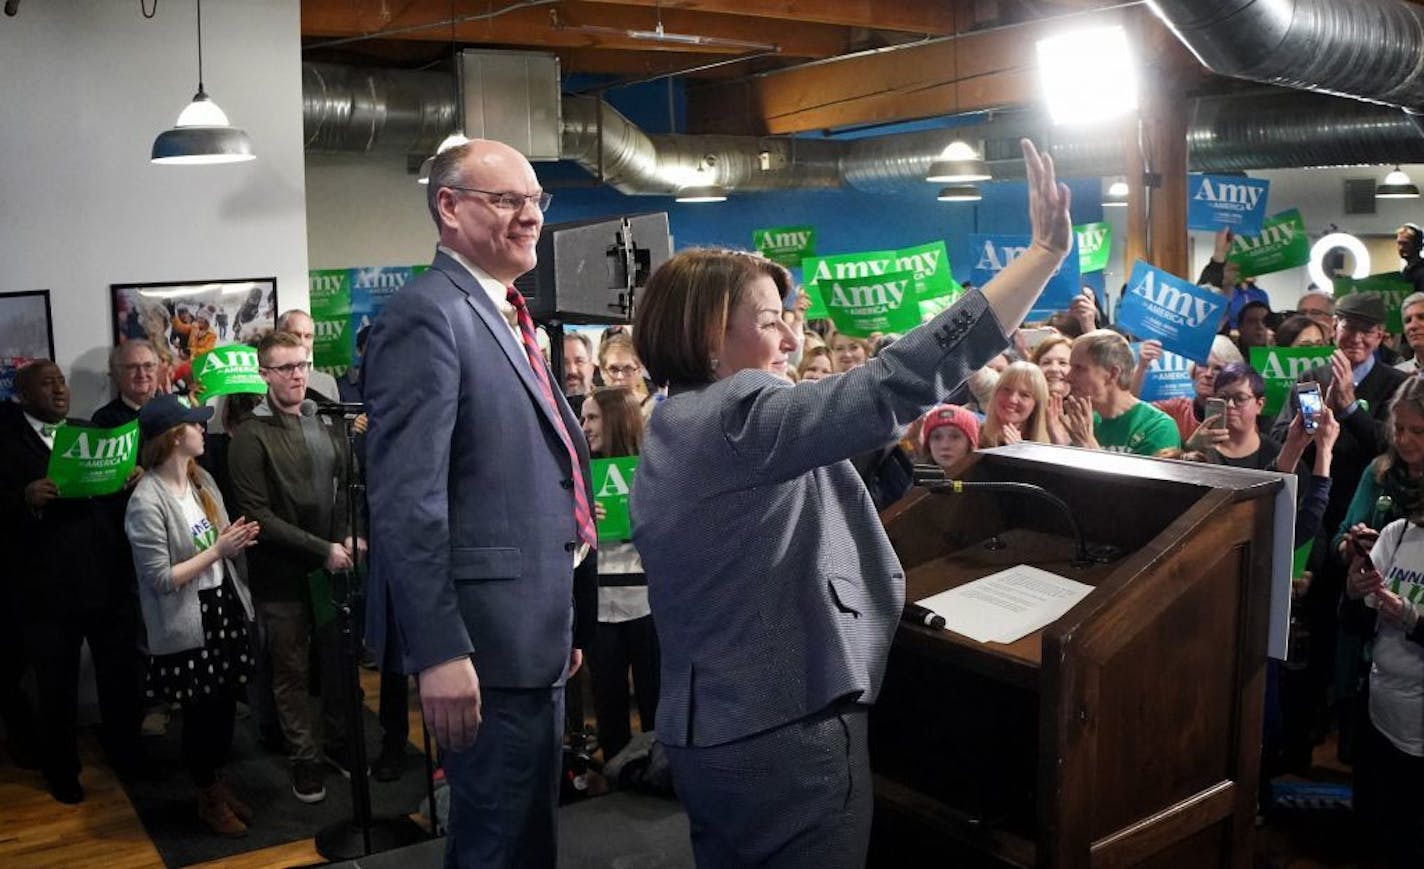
(1083, 554)
(919, 615)
(335, 408)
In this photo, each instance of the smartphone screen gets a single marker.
(1216, 407)
(1309, 402)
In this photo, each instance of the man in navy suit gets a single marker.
(479, 498)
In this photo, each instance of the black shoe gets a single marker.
(390, 764)
(307, 784)
(66, 790)
(339, 761)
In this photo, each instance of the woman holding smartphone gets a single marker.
(1230, 429)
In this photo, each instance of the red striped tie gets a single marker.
(583, 517)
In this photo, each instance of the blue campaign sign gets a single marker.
(1233, 202)
(992, 252)
(1169, 376)
(1183, 316)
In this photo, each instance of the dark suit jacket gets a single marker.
(1363, 434)
(69, 557)
(470, 488)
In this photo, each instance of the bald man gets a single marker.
(480, 510)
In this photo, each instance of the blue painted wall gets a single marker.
(846, 220)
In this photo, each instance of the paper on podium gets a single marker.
(1006, 606)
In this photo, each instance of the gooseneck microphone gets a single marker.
(1083, 554)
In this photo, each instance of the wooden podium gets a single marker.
(1128, 732)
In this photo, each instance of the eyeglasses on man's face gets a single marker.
(132, 368)
(1238, 400)
(290, 368)
(506, 201)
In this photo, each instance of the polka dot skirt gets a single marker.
(221, 665)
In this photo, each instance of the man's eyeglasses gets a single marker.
(136, 367)
(510, 201)
(1237, 400)
(289, 369)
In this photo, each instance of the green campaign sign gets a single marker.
(1301, 557)
(787, 245)
(1281, 367)
(92, 461)
(1281, 245)
(1094, 244)
(1391, 287)
(229, 369)
(330, 291)
(878, 303)
(612, 480)
(933, 286)
(818, 310)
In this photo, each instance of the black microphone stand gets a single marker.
(363, 835)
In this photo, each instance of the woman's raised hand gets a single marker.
(1048, 202)
(237, 537)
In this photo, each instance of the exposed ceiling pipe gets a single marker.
(1364, 49)
(353, 109)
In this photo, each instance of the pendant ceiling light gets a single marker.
(1116, 197)
(702, 193)
(458, 137)
(202, 134)
(958, 163)
(960, 193)
(1396, 185)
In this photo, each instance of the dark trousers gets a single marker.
(53, 647)
(394, 710)
(207, 736)
(1389, 800)
(795, 796)
(618, 647)
(15, 711)
(504, 790)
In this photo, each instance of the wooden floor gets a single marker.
(36, 832)
(104, 831)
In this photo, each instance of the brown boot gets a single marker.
(239, 808)
(216, 814)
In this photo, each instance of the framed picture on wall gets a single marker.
(186, 318)
(26, 332)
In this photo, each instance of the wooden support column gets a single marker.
(1166, 143)
(1134, 245)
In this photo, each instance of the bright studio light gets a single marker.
(1087, 76)
(1354, 246)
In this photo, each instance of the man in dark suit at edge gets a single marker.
(480, 509)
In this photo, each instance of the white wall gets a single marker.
(365, 211)
(88, 85)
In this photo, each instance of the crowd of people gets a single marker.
(199, 586)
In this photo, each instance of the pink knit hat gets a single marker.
(950, 414)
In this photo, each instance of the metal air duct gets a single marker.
(1364, 49)
(349, 109)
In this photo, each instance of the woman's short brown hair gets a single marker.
(682, 313)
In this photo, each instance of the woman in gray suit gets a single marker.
(773, 586)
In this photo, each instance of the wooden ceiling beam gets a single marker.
(910, 16)
(994, 69)
(559, 26)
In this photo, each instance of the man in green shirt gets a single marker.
(1102, 412)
